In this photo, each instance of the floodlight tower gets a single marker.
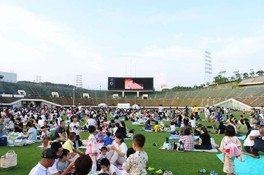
(79, 82)
(208, 68)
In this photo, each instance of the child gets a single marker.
(100, 134)
(136, 163)
(101, 156)
(107, 139)
(75, 127)
(228, 159)
(69, 145)
(106, 167)
(103, 153)
(157, 127)
(92, 149)
(63, 161)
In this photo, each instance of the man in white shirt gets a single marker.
(249, 141)
(47, 160)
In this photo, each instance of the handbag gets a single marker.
(232, 149)
(259, 144)
(8, 160)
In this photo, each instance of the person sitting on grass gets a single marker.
(187, 139)
(111, 169)
(148, 125)
(59, 131)
(31, 135)
(107, 139)
(47, 160)
(136, 163)
(69, 145)
(204, 140)
(220, 129)
(157, 127)
(117, 151)
(18, 125)
(63, 162)
(257, 132)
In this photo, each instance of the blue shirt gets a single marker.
(32, 134)
(107, 141)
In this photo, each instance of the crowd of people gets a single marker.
(105, 149)
(105, 146)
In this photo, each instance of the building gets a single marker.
(8, 77)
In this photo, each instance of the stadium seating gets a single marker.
(251, 95)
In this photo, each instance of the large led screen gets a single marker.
(119, 83)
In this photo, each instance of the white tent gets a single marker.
(102, 105)
(135, 106)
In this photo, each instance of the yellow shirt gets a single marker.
(157, 128)
(68, 145)
(195, 109)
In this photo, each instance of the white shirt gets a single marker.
(53, 169)
(172, 128)
(41, 123)
(160, 109)
(39, 170)
(122, 147)
(193, 124)
(249, 142)
(112, 169)
(136, 163)
(91, 122)
(75, 127)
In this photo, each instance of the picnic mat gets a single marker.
(196, 150)
(251, 166)
(128, 138)
(214, 150)
(137, 123)
(177, 137)
(241, 137)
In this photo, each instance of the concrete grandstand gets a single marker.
(25, 93)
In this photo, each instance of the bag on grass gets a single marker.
(8, 160)
(3, 141)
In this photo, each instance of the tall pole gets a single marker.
(208, 68)
(73, 96)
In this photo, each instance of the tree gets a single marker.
(219, 79)
(260, 72)
(237, 75)
(252, 73)
(245, 75)
(232, 78)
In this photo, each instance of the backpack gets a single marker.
(232, 149)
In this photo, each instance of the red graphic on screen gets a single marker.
(130, 84)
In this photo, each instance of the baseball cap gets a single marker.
(49, 154)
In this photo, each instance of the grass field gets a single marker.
(184, 163)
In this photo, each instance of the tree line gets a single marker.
(221, 78)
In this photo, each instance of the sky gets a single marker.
(167, 40)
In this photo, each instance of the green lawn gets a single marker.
(184, 163)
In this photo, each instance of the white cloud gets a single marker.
(33, 45)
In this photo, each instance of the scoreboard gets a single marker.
(130, 83)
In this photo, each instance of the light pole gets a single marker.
(73, 96)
